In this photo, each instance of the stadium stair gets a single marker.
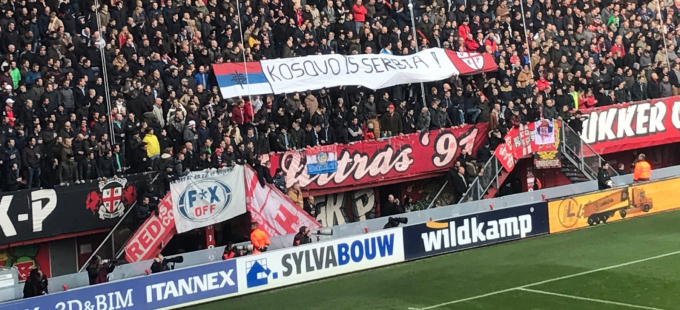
(580, 162)
(488, 184)
(495, 186)
(572, 172)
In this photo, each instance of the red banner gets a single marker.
(384, 161)
(153, 235)
(519, 143)
(275, 213)
(504, 152)
(630, 126)
(472, 63)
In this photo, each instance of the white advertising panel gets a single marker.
(319, 260)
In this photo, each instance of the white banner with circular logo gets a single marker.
(205, 198)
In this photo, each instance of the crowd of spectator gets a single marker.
(96, 89)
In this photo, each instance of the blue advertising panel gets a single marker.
(148, 292)
(455, 234)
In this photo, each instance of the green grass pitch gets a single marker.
(632, 264)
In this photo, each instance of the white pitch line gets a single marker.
(548, 281)
(589, 299)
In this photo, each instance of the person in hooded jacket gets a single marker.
(98, 271)
(88, 169)
(604, 180)
(11, 179)
(409, 122)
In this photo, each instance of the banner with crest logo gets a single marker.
(205, 198)
(322, 159)
(374, 71)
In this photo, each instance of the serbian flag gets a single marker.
(241, 78)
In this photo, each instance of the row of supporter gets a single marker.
(70, 115)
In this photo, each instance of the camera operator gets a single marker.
(393, 222)
(98, 270)
(230, 251)
(391, 207)
(160, 263)
(302, 237)
(36, 284)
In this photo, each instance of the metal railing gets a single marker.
(581, 154)
(482, 183)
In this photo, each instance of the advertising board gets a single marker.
(156, 291)
(319, 260)
(612, 205)
(39, 213)
(459, 233)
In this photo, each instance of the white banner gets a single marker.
(206, 198)
(373, 71)
(545, 132)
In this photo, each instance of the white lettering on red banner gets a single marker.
(377, 161)
(632, 125)
(157, 229)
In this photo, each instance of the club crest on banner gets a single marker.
(545, 132)
(110, 200)
(203, 200)
(473, 60)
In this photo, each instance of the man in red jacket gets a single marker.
(242, 114)
(359, 12)
(471, 45)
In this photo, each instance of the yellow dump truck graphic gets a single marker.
(601, 209)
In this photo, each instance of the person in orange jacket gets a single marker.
(258, 238)
(643, 170)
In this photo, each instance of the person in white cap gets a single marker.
(9, 110)
(190, 134)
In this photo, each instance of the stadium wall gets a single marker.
(294, 265)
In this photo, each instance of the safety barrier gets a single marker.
(196, 258)
(293, 265)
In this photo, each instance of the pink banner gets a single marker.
(272, 210)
